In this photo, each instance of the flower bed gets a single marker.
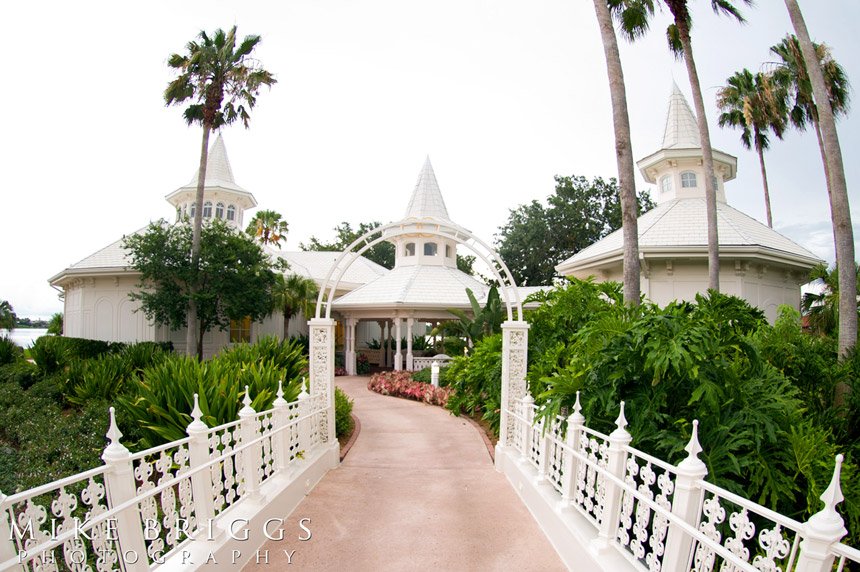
(401, 384)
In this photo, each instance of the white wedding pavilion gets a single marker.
(372, 303)
(756, 262)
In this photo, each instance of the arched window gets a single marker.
(207, 209)
(688, 180)
(447, 251)
(430, 249)
(665, 184)
(193, 209)
(178, 214)
(716, 184)
(219, 210)
(410, 249)
(231, 213)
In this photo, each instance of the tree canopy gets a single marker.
(233, 281)
(8, 319)
(537, 237)
(382, 253)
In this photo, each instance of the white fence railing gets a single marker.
(420, 363)
(660, 516)
(137, 510)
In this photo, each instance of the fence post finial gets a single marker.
(246, 401)
(693, 463)
(823, 529)
(577, 416)
(115, 450)
(279, 400)
(197, 423)
(620, 432)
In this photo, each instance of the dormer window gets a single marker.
(688, 180)
(409, 250)
(219, 210)
(207, 209)
(430, 249)
(665, 184)
(231, 212)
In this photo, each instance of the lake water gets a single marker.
(24, 337)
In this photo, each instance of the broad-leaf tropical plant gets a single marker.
(220, 82)
(482, 321)
(840, 210)
(755, 104)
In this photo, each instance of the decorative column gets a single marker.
(515, 347)
(824, 529)
(201, 481)
(410, 323)
(434, 373)
(120, 488)
(349, 345)
(571, 464)
(383, 346)
(322, 371)
(251, 457)
(398, 356)
(617, 466)
(686, 503)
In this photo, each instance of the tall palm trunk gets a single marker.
(843, 234)
(760, 152)
(707, 153)
(194, 338)
(623, 153)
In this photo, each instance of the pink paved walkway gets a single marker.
(416, 492)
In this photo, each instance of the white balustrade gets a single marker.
(419, 363)
(658, 516)
(137, 510)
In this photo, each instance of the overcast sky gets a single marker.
(502, 95)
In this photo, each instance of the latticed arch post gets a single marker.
(321, 332)
(515, 349)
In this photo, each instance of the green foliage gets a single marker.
(35, 438)
(235, 276)
(381, 253)
(55, 325)
(10, 352)
(160, 402)
(343, 423)
(8, 319)
(268, 227)
(362, 364)
(20, 373)
(482, 321)
(476, 382)
(530, 242)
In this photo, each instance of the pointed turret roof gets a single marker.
(218, 170)
(426, 200)
(682, 131)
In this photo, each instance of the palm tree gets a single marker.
(8, 319)
(268, 227)
(678, 36)
(822, 308)
(623, 148)
(840, 211)
(790, 72)
(222, 82)
(755, 104)
(55, 325)
(293, 294)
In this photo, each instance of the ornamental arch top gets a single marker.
(426, 226)
(514, 330)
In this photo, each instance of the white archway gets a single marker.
(514, 330)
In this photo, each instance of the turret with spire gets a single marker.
(222, 197)
(426, 207)
(676, 168)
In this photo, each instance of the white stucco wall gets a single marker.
(99, 309)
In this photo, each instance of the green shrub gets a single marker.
(343, 423)
(362, 364)
(102, 378)
(23, 374)
(10, 352)
(160, 403)
(476, 382)
(50, 356)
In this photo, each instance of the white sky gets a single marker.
(501, 94)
